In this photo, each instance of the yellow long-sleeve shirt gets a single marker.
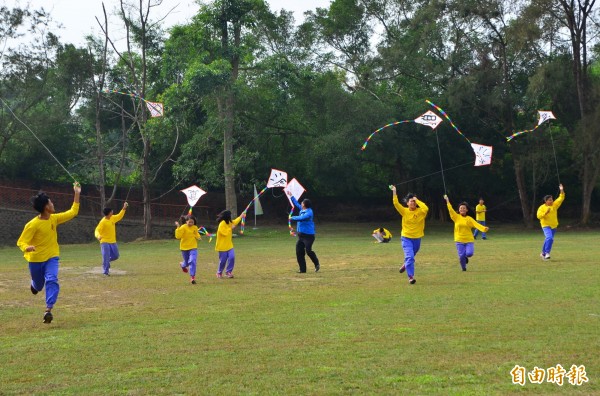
(225, 235)
(106, 231)
(549, 218)
(463, 226)
(480, 212)
(188, 237)
(42, 234)
(413, 221)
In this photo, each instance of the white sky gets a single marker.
(78, 16)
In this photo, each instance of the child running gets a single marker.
(224, 244)
(39, 242)
(106, 233)
(463, 232)
(413, 229)
(188, 236)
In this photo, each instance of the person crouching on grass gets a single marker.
(188, 236)
(106, 234)
(39, 243)
(224, 244)
(381, 235)
(463, 232)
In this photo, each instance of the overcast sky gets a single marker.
(78, 16)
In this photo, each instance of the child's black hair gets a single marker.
(307, 204)
(188, 217)
(224, 215)
(106, 211)
(39, 201)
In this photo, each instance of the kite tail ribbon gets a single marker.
(203, 231)
(364, 146)
(514, 135)
(292, 233)
(442, 112)
(243, 224)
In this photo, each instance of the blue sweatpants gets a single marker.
(46, 274)
(189, 260)
(464, 250)
(476, 232)
(411, 247)
(228, 258)
(549, 234)
(110, 252)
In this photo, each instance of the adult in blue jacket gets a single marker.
(305, 230)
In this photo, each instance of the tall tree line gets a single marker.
(246, 88)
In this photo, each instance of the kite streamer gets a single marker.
(202, 230)
(292, 232)
(364, 146)
(442, 112)
(156, 109)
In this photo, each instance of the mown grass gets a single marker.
(356, 327)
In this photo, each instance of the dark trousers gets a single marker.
(304, 246)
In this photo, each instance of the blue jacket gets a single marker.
(304, 219)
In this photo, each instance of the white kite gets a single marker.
(277, 179)
(156, 109)
(483, 154)
(295, 188)
(429, 119)
(545, 116)
(193, 194)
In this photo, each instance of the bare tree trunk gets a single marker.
(520, 179)
(146, 190)
(228, 118)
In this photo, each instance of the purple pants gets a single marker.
(464, 250)
(228, 258)
(549, 241)
(189, 260)
(110, 252)
(411, 247)
(46, 274)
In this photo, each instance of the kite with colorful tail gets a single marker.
(429, 119)
(544, 116)
(293, 189)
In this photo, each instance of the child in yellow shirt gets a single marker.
(224, 244)
(463, 236)
(106, 234)
(188, 236)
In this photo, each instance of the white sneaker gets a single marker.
(542, 256)
(547, 256)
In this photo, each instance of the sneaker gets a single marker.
(33, 290)
(547, 256)
(402, 269)
(193, 281)
(48, 317)
(412, 280)
(542, 256)
(317, 267)
(484, 238)
(184, 269)
(106, 274)
(229, 274)
(219, 275)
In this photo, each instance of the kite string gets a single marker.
(431, 174)
(555, 160)
(441, 165)
(38, 139)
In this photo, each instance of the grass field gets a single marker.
(356, 327)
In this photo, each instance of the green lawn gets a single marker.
(356, 327)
